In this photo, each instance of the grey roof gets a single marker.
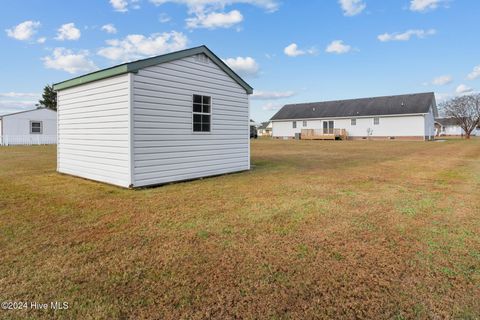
(377, 106)
(24, 111)
(134, 66)
(264, 125)
(447, 121)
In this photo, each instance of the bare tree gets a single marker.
(465, 110)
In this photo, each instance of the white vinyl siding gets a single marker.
(93, 124)
(389, 126)
(17, 128)
(429, 125)
(165, 148)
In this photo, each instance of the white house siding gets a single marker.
(165, 148)
(15, 128)
(429, 125)
(455, 130)
(390, 126)
(94, 128)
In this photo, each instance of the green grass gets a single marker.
(360, 229)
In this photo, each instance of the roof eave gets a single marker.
(94, 76)
(354, 116)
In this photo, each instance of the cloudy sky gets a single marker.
(289, 51)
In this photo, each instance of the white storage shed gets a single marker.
(178, 116)
(31, 127)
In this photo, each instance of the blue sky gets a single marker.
(289, 51)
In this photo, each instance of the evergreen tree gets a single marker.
(49, 98)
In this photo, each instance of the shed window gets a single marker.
(304, 123)
(294, 124)
(36, 127)
(376, 121)
(353, 122)
(202, 107)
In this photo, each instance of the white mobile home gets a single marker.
(174, 117)
(31, 127)
(451, 127)
(265, 130)
(403, 117)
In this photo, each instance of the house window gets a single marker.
(304, 123)
(294, 124)
(353, 122)
(36, 127)
(328, 127)
(376, 121)
(202, 108)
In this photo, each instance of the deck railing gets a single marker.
(321, 134)
(27, 140)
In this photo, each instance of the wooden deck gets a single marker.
(318, 134)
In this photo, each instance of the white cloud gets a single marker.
(244, 66)
(67, 60)
(215, 20)
(123, 5)
(109, 28)
(292, 50)
(424, 5)
(137, 46)
(463, 89)
(271, 95)
(352, 7)
(41, 40)
(338, 47)
(271, 106)
(442, 80)
(407, 35)
(18, 94)
(210, 14)
(211, 5)
(164, 18)
(475, 73)
(68, 31)
(23, 31)
(119, 5)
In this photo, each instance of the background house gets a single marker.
(450, 127)
(38, 126)
(406, 117)
(178, 116)
(265, 129)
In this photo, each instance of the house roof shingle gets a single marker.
(388, 105)
(264, 125)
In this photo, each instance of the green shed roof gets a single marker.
(140, 64)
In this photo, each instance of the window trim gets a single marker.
(294, 124)
(376, 121)
(41, 126)
(353, 121)
(202, 113)
(328, 129)
(304, 123)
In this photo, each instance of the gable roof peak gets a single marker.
(134, 66)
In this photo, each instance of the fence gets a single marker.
(27, 140)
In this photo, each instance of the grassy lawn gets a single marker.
(370, 230)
